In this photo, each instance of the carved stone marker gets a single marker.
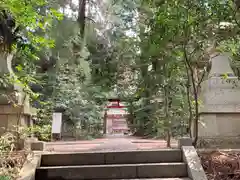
(56, 126)
(219, 109)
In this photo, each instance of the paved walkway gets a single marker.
(110, 143)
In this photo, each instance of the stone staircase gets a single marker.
(164, 164)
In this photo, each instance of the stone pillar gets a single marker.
(15, 109)
(219, 110)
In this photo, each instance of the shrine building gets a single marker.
(116, 117)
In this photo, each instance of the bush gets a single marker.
(43, 133)
(7, 142)
(10, 160)
(5, 177)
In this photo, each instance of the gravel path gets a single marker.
(109, 143)
(116, 144)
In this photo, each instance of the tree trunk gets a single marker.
(166, 108)
(168, 138)
(195, 94)
(82, 16)
(196, 116)
(105, 123)
(189, 103)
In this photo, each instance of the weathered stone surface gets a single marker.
(67, 159)
(28, 141)
(219, 94)
(219, 109)
(219, 125)
(87, 172)
(6, 63)
(116, 171)
(38, 146)
(220, 64)
(184, 141)
(194, 167)
(219, 142)
(29, 168)
(6, 69)
(114, 164)
(151, 156)
(11, 115)
(162, 170)
(121, 157)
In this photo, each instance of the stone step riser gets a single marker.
(101, 172)
(155, 179)
(98, 158)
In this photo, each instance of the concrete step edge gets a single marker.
(115, 165)
(114, 151)
(119, 171)
(115, 157)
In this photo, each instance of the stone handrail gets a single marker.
(190, 157)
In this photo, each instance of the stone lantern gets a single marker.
(15, 109)
(9, 90)
(219, 110)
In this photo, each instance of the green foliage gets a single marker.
(33, 15)
(171, 39)
(5, 177)
(76, 97)
(43, 132)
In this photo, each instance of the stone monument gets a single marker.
(15, 109)
(219, 111)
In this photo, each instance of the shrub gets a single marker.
(10, 160)
(5, 177)
(43, 133)
(7, 142)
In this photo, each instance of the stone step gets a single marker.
(156, 179)
(112, 157)
(116, 171)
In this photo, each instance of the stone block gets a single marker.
(29, 168)
(195, 169)
(38, 146)
(219, 142)
(219, 125)
(184, 141)
(28, 142)
(67, 159)
(10, 118)
(153, 156)
(87, 172)
(162, 170)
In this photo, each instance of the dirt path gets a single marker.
(110, 143)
